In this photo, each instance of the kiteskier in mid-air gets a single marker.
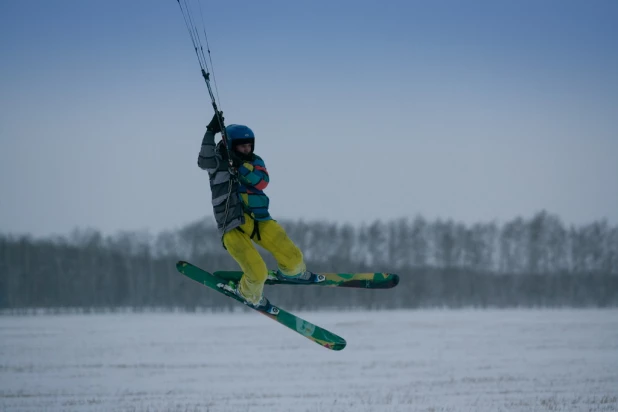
(226, 281)
(238, 178)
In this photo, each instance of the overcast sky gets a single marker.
(362, 110)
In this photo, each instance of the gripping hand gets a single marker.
(214, 125)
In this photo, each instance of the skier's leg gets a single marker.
(254, 269)
(274, 239)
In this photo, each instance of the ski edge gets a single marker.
(370, 280)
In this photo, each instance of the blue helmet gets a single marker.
(239, 134)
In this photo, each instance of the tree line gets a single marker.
(535, 262)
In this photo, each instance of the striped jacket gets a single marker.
(246, 192)
(221, 183)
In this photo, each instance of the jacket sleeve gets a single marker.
(207, 158)
(254, 175)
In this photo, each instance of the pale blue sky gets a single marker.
(471, 110)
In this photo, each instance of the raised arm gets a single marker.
(208, 159)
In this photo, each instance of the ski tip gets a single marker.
(337, 346)
(181, 264)
(395, 279)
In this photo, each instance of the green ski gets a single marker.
(346, 280)
(312, 332)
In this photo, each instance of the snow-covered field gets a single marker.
(428, 360)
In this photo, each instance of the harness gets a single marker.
(256, 230)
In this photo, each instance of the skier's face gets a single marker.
(244, 148)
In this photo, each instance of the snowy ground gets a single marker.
(487, 361)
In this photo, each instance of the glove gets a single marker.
(214, 125)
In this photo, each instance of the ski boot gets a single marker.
(263, 305)
(305, 277)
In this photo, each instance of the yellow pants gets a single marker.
(272, 238)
